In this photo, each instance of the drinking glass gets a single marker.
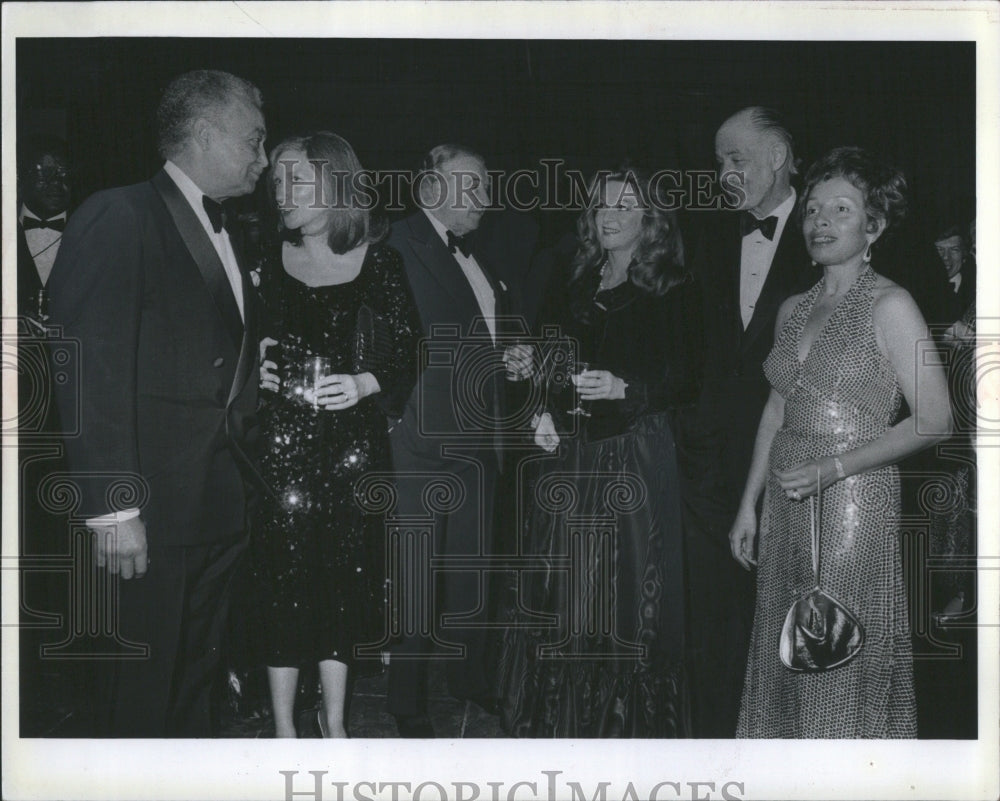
(579, 367)
(314, 368)
(305, 376)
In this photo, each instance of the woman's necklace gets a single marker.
(609, 279)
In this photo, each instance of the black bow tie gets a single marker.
(461, 243)
(216, 213)
(55, 224)
(749, 224)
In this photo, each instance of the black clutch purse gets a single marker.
(819, 633)
(372, 342)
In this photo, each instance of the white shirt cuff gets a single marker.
(113, 518)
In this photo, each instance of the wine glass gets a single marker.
(579, 409)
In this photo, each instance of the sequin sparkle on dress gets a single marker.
(843, 395)
(318, 559)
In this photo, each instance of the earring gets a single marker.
(813, 262)
(868, 254)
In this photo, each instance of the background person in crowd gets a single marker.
(451, 427)
(611, 664)
(952, 531)
(843, 360)
(318, 559)
(44, 186)
(952, 245)
(148, 281)
(44, 194)
(750, 260)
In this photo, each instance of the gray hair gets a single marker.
(767, 120)
(195, 94)
(442, 154)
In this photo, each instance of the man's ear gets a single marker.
(202, 131)
(779, 154)
(430, 189)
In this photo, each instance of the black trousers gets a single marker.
(721, 597)
(716, 444)
(177, 613)
(442, 607)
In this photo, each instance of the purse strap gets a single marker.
(815, 523)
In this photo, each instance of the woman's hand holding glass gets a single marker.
(337, 392)
(594, 385)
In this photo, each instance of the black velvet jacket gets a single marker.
(652, 343)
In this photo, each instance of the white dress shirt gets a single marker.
(481, 287)
(43, 243)
(756, 256)
(220, 241)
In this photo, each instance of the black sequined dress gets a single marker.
(843, 395)
(318, 561)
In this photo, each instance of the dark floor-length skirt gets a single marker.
(596, 612)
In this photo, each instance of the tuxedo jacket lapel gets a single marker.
(731, 244)
(248, 349)
(28, 281)
(204, 254)
(439, 263)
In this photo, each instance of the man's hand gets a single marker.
(743, 537)
(121, 547)
(520, 361)
(546, 436)
(959, 332)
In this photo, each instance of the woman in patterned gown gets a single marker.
(318, 560)
(596, 642)
(845, 354)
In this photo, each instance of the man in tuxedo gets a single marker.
(152, 286)
(450, 432)
(751, 259)
(43, 188)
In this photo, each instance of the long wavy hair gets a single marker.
(658, 259)
(352, 223)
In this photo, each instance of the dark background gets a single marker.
(591, 103)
